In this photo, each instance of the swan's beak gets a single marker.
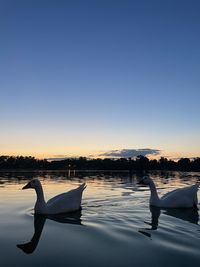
(27, 186)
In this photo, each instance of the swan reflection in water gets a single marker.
(186, 214)
(39, 221)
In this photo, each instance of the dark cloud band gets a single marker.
(130, 153)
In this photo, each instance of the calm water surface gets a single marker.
(116, 227)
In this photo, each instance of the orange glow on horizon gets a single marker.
(96, 154)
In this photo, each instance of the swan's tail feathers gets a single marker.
(196, 186)
(83, 186)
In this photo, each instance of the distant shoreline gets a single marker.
(61, 170)
(73, 172)
(140, 163)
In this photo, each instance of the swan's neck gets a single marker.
(154, 199)
(40, 204)
(40, 194)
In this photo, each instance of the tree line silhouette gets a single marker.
(83, 163)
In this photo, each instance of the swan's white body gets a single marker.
(179, 198)
(66, 202)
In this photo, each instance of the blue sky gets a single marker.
(83, 77)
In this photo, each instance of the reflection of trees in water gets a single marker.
(39, 221)
(187, 214)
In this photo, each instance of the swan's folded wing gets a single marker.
(66, 202)
(187, 191)
(56, 198)
(171, 193)
(70, 195)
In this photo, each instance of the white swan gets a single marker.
(179, 198)
(65, 202)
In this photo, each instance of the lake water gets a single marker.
(116, 227)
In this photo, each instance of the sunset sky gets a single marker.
(100, 77)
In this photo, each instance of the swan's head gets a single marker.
(35, 183)
(145, 180)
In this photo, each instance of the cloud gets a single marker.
(121, 153)
(56, 159)
(130, 153)
(59, 157)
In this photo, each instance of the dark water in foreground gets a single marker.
(116, 227)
